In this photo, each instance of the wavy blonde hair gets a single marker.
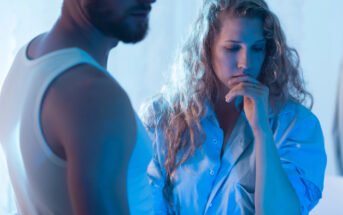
(182, 102)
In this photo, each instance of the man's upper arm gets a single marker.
(95, 124)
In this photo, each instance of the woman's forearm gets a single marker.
(274, 193)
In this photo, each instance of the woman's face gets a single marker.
(238, 49)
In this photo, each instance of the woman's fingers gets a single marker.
(248, 84)
(243, 78)
(249, 92)
(248, 89)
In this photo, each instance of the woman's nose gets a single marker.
(243, 62)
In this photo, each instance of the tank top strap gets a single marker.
(61, 60)
(45, 70)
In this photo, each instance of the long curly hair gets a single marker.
(182, 102)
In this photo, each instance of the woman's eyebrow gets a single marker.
(233, 41)
(261, 41)
(237, 41)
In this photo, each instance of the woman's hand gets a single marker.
(272, 183)
(255, 102)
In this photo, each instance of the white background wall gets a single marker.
(313, 27)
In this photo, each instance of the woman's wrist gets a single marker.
(263, 132)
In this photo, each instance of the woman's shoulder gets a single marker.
(295, 110)
(153, 111)
(299, 122)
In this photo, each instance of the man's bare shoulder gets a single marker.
(85, 104)
(84, 79)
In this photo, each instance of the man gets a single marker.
(67, 127)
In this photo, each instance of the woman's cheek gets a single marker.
(259, 64)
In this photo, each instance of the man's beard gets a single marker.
(123, 30)
(129, 33)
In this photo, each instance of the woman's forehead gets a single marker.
(241, 29)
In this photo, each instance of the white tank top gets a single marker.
(38, 176)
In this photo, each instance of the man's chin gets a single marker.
(132, 38)
(131, 34)
(134, 35)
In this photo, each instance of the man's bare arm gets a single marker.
(89, 116)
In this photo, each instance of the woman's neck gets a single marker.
(224, 110)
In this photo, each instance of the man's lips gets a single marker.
(144, 12)
(140, 13)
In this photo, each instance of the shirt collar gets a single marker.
(211, 116)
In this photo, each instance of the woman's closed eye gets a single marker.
(258, 48)
(232, 48)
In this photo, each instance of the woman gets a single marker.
(231, 135)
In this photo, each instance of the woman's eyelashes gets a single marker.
(257, 48)
(233, 48)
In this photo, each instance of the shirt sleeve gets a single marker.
(156, 177)
(157, 183)
(155, 171)
(303, 158)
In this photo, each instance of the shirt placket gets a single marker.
(216, 143)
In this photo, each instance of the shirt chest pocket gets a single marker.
(243, 174)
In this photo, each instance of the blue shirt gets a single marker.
(209, 184)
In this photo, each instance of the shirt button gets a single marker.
(210, 204)
(214, 141)
(211, 172)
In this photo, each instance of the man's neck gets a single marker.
(74, 30)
